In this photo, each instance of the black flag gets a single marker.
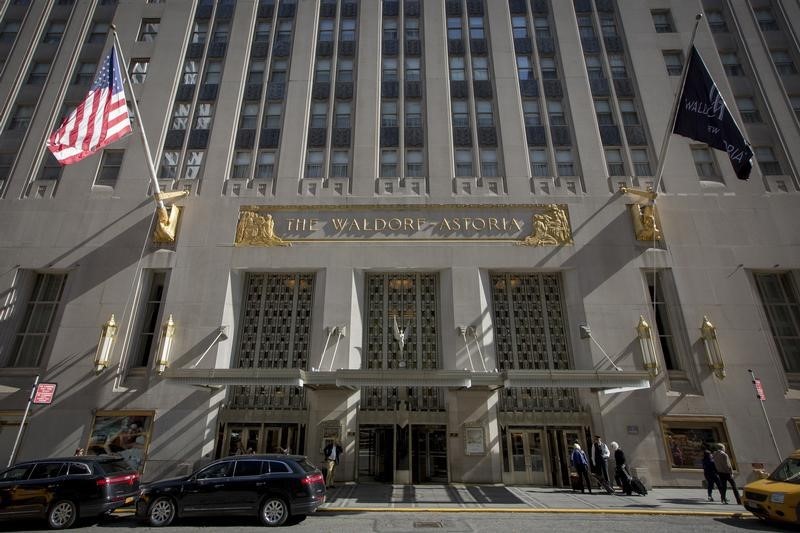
(703, 116)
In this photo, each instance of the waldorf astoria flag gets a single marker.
(100, 119)
(703, 116)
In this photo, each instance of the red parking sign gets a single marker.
(44, 393)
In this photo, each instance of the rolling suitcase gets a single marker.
(605, 485)
(638, 487)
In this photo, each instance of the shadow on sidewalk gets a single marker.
(694, 501)
(754, 524)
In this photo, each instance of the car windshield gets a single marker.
(788, 471)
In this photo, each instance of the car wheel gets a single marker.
(274, 511)
(62, 514)
(161, 512)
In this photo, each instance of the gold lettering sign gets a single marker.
(523, 225)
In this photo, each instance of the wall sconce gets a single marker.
(711, 344)
(649, 354)
(165, 346)
(108, 333)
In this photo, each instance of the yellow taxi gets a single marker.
(778, 496)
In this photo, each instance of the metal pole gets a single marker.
(162, 210)
(668, 134)
(22, 425)
(766, 418)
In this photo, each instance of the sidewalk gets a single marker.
(365, 497)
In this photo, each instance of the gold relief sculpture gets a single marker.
(645, 224)
(257, 230)
(549, 229)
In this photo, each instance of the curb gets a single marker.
(645, 512)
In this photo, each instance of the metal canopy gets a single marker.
(458, 379)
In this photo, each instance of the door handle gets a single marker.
(260, 484)
(219, 486)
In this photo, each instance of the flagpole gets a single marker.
(163, 216)
(668, 134)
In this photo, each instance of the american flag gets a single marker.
(100, 119)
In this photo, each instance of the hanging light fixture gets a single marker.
(649, 354)
(165, 346)
(713, 352)
(108, 333)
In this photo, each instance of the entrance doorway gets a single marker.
(527, 457)
(429, 454)
(241, 439)
(376, 453)
(540, 455)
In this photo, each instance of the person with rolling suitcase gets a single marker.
(620, 471)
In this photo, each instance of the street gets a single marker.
(382, 522)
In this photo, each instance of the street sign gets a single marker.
(759, 389)
(44, 393)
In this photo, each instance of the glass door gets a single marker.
(243, 440)
(527, 456)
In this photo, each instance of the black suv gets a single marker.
(64, 489)
(274, 487)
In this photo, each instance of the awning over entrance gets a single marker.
(353, 379)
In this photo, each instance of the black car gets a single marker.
(61, 490)
(274, 487)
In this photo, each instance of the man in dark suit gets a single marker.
(332, 453)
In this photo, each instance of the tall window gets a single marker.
(767, 162)
(241, 164)
(314, 162)
(778, 293)
(616, 167)
(530, 321)
(148, 30)
(660, 294)
(8, 31)
(389, 164)
(674, 62)
(565, 163)
(340, 164)
(464, 162)
(98, 33)
(539, 164)
(54, 32)
(38, 73)
(407, 302)
(783, 62)
(704, 163)
(414, 163)
(138, 70)
(109, 168)
(274, 332)
(276, 321)
(21, 118)
(662, 20)
(748, 110)
(530, 109)
(730, 62)
(766, 21)
(37, 323)
(716, 21)
(149, 318)
(641, 162)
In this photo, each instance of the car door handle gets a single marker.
(261, 484)
(219, 486)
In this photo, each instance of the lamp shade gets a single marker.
(649, 355)
(108, 333)
(711, 345)
(165, 346)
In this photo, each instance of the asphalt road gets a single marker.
(436, 522)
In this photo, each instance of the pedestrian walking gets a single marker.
(621, 475)
(333, 451)
(725, 471)
(599, 456)
(581, 463)
(712, 476)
